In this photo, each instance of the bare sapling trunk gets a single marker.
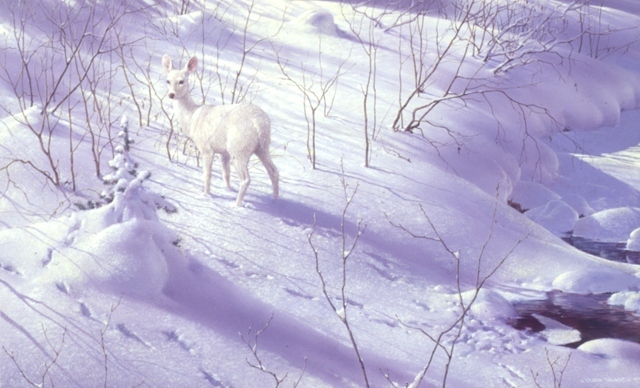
(446, 340)
(341, 309)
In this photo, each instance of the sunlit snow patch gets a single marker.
(556, 333)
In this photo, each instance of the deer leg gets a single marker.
(225, 159)
(272, 170)
(242, 170)
(207, 161)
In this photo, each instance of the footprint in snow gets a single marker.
(212, 379)
(173, 336)
(386, 322)
(384, 273)
(298, 294)
(129, 334)
(62, 287)
(47, 259)
(84, 310)
(9, 268)
(229, 264)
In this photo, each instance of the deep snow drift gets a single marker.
(425, 244)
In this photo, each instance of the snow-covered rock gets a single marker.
(630, 300)
(531, 195)
(319, 21)
(489, 306)
(614, 225)
(595, 281)
(579, 204)
(612, 348)
(633, 242)
(556, 216)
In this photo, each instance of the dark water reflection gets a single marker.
(607, 250)
(589, 314)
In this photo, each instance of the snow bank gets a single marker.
(556, 216)
(547, 208)
(530, 195)
(125, 258)
(630, 300)
(129, 257)
(595, 281)
(612, 348)
(489, 306)
(613, 225)
(579, 204)
(633, 242)
(318, 21)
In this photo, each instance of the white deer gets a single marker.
(235, 132)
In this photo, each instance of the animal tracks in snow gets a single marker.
(174, 336)
(384, 272)
(211, 379)
(299, 294)
(9, 268)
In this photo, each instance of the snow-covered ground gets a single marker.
(422, 245)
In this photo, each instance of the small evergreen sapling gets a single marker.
(123, 165)
(126, 192)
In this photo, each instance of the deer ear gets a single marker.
(192, 64)
(166, 63)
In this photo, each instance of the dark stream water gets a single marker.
(606, 250)
(589, 314)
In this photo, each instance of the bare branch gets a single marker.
(347, 249)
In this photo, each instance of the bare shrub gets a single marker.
(62, 55)
(557, 368)
(445, 340)
(317, 91)
(347, 248)
(44, 376)
(251, 340)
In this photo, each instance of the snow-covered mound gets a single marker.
(633, 242)
(490, 306)
(609, 225)
(319, 21)
(132, 258)
(612, 349)
(556, 216)
(630, 300)
(120, 248)
(595, 281)
(579, 204)
(529, 195)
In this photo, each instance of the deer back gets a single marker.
(233, 129)
(206, 127)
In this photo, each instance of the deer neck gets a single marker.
(184, 109)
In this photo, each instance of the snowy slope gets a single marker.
(124, 296)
